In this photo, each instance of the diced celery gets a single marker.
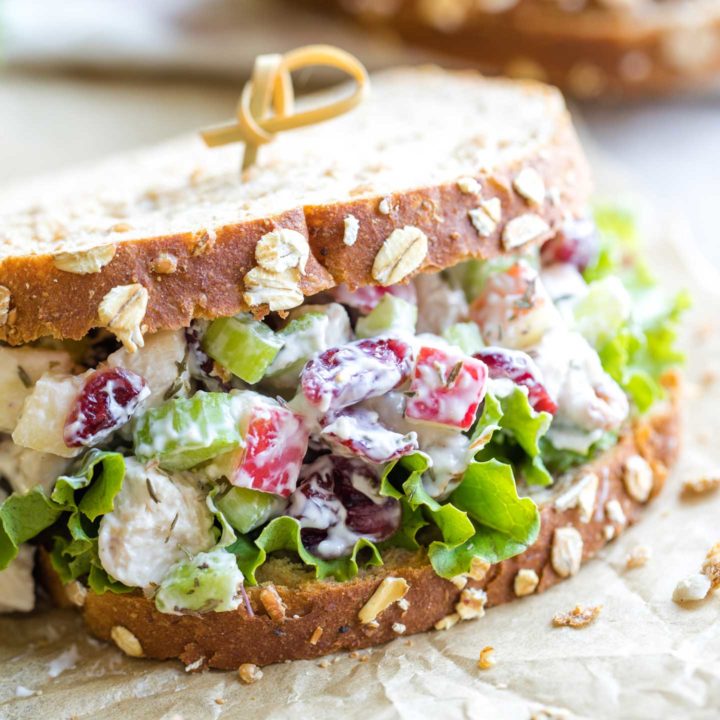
(302, 338)
(243, 345)
(246, 509)
(603, 310)
(391, 315)
(182, 433)
(466, 336)
(209, 582)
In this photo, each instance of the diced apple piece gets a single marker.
(391, 316)
(447, 388)
(20, 368)
(42, 422)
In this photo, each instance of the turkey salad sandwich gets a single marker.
(351, 400)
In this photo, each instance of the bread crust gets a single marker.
(606, 49)
(210, 265)
(226, 640)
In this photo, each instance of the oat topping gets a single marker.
(609, 532)
(459, 581)
(4, 304)
(390, 590)
(249, 673)
(469, 186)
(281, 250)
(578, 617)
(126, 641)
(711, 565)
(164, 264)
(701, 485)
(638, 478)
(317, 634)
(566, 554)
(487, 659)
(692, 589)
(526, 582)
(352, 227)
(638, 557)
(485, 218)
(398, 628)
(86, 262)
(401, 254)
(76, 593)
(478, 569)
(273, 604)
(615, 513)
(447, 622)
(204, 242)
(403, 604)
(384, 206)
(279, 291)
(529, 184)
(524, 229)
(472, 604)
(581, 495)
(122, 311)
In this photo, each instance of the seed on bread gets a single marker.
(122, 311)
(402, 253)
(566, 553)
(204, 242)
(472, 604)
(279, 291)
(478, 569)
(581, 495)
(526, 582)
(384, 206)
(398, 628)
(389, 591)
(315, 637)
(282, 249)
(638, 478)
(614, 513)
(273, 604)
(5, 298)
(578, 617)
(126, 641)
(528, 183)
(524, 229)
(249, 673)
(164, 264)
(485, 218)
(351, 227)
(86, 262)
(469, 186)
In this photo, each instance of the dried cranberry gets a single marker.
(337, 502)
(366, 298)
(518, 367)
(576, 244)
(351, 373)
(358, 431)
(106, 402)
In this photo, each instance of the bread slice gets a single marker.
(178, 220)
(226, 640)
(594, 48)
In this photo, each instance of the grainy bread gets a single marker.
(177, 220)
(590, 48)
(226, 640)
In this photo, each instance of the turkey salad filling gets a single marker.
(404, 416)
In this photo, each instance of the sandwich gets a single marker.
(590, 49)
(399, 372)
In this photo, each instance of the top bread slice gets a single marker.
(426, 149)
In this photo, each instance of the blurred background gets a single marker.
(80, 79)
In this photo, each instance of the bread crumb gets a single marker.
(5, 297)
(249, 673)
(350, 233)
(701, 485)
(711, 565)
(486, 660)
(273, 604)
(692, 589)
(354, 655)
(447, 622)
(578, 617)
(121, 227)
(398, 628)
(324, 663)
(195, 665)
(409, 643)
(637, 557)
(219, 701)
(526, 582)
(317, 634)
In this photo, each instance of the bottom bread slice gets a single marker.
(316, 618)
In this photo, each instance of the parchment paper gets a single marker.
(645, 657)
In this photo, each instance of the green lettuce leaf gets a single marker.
(522, 422)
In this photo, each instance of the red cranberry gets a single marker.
(106, 402)
(576, 243)
(518, 367)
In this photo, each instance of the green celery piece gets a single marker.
(466, 336)
(210, 581)
(185, 432)
(243, 345)
(302, 338)
(391, 315)
(246, 509)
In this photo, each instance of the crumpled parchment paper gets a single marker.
(645, 657)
